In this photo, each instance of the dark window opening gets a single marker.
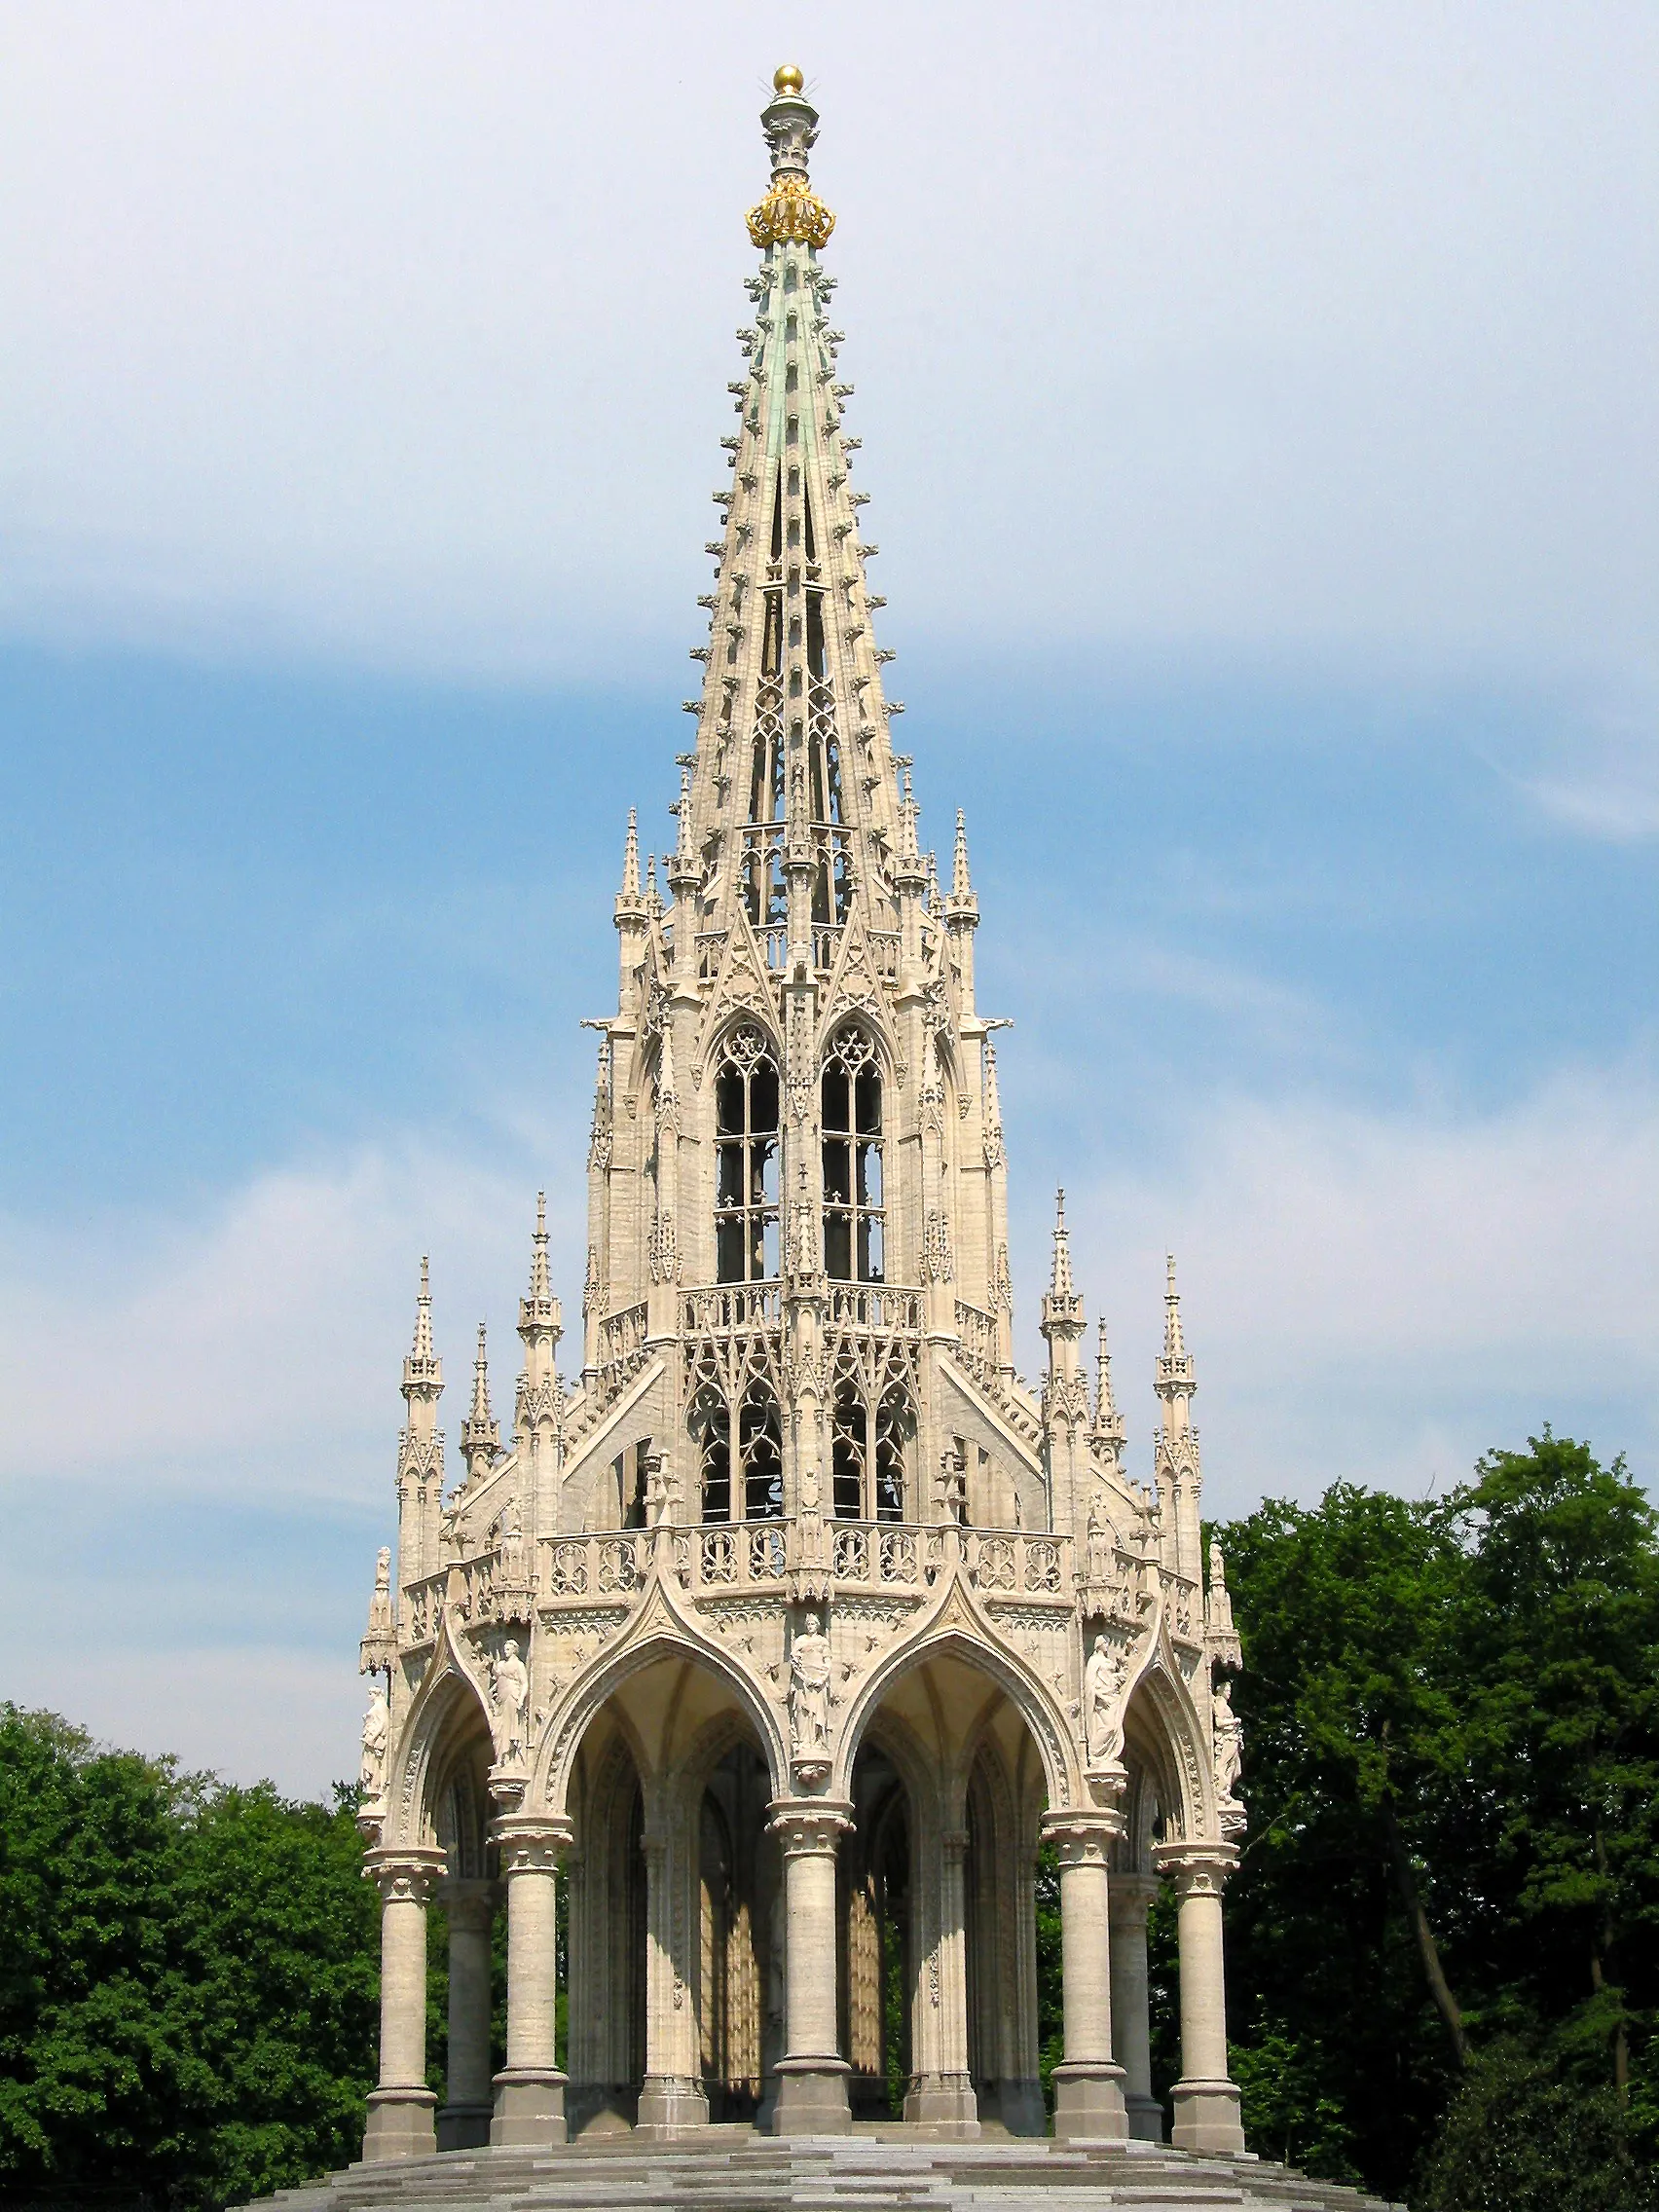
(710, 1431)
(761, 1441)
(892, 1426)
(746, 1165)
(854, 1193)
(848, 1444)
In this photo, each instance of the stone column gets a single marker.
(812, 2074)
(1131, 1898)
(463, 2120)
(1088, 2084)
(530, 2090)
(672, 2098)
(1206, 2102)
(943, 2098)
(400, 2111)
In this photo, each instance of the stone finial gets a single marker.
(480, 1434)
(791, 212)
(422, 1370)
(1060, 1282)
(630, 903)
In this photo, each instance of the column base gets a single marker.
(1088, 2102)
(946, 2104)
(400, 2126)
(1020, 2108)
(530, 2106)
(812, 2097)
(464, 2127)
(1146, 2119)
(1206, 2117)
(669, 2105)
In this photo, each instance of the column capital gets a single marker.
(1130, 1898)
(1083, 1837)
(809, 1827)
(530, 1843)
(405, 1873)
(1201, 1870)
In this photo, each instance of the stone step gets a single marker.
(732, 2169)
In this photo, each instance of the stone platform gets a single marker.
(874, 2169)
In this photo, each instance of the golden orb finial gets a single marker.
(787, 78)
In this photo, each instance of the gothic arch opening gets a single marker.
(877, 1962)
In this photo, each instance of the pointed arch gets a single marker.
(959, 1631)
(450, 1691)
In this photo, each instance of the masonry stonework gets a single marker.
(786, 1631)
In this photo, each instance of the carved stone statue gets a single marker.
(377, 1727)
(1103, 1679)
(809, 1691)
(1228, 1743)
(509, 1693)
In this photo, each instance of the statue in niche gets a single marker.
(377, 1729)
(1103, 1679)
(509, 1693)
(1228, 1743)
(809, 1691)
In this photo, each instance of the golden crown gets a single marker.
(790, 212)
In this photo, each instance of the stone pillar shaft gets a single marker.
(1088, 2095)
(1206, 2101)
(943, 2097)
(1130, 1900)
(672, 2098)
(812, 2075)
(530, 2090)
(463, 2124)
(400, 2110)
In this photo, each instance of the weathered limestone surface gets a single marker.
(733, 2167)
(786, 1630)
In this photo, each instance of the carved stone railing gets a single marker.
(728, 1308)
(728, 1555)
(1014, 1562)
(885, 1555)
(609, 1565)
(1184, 1608)
(621, 1345)
(876, 1305)
(492, 1585)
(977, 1352)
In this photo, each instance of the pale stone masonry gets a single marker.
(786, 1632)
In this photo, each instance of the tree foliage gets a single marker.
(1454, 1790)
(188, 1979)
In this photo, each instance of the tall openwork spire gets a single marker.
(792, 815)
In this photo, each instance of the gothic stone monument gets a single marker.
(789, 1629)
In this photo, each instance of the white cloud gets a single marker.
(264, 1339)
(1381, 1296)
(250, 1715)
(402, 332)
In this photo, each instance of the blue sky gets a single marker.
(1272, 559)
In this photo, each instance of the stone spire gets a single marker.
(421, 1448)
(1175, 1464)
(1063, 1307)
(422, 1370)
(1109, 1433)
(480, 1433)
(793, 790)
(540, 1323)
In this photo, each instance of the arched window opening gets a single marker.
(854, 1204)
(778, 514)
(711, 1434)
(894, 1428)
(849, 1451)
(761, 1441)
(746, 1162)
